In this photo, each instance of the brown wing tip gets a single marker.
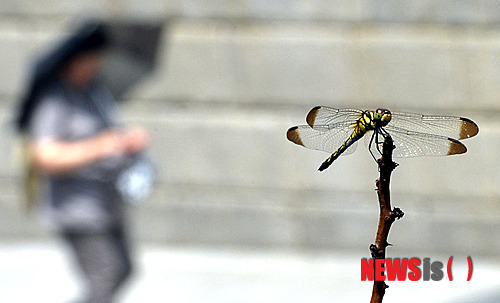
(293, 135)
(456, 147)
(469, 128)
(311, 116)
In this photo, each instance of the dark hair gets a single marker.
(89, 37)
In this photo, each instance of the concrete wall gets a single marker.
(234, 75)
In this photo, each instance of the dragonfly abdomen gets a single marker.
(356, 135)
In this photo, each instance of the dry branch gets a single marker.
(387, 215)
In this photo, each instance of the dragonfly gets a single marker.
(337, 131)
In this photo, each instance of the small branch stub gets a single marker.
(387, 216)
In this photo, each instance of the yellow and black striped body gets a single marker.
(355, 136)
(369, 121)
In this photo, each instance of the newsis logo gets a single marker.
(412, 269)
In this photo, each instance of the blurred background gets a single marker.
(242, 215)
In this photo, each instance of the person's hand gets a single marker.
(130, 141)
(136, 139)
(111, 143)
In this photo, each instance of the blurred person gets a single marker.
(77, 147)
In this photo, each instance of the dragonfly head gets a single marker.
(383, 115)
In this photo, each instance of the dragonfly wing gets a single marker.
(327, 138)
(416, 144)
(446, 126)
(323, 115)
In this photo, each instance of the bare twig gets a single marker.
(387, 216)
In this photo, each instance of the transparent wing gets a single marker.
(322, 115)
(327, 138)
(447, 126)
(415, 144)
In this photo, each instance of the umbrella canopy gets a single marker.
(130, 52)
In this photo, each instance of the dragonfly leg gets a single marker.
(384, 134)
(370, 146)
(378, 142)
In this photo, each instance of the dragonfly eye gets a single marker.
(383, 114)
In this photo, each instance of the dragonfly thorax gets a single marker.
(370, 120)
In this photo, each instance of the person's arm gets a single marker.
(59, 157)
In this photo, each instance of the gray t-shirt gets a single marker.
(85, 199)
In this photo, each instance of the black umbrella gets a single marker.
(130, 52)
(130, 55)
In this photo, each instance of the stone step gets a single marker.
(240, 146)
(422, 65)
(261, 217)
(346, 10)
